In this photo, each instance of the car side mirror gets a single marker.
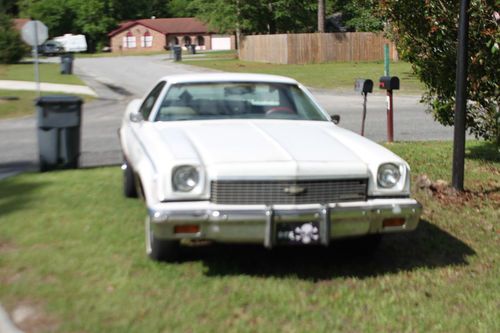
(335, 119)
(136, 117)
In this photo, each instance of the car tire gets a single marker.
(129, 188)
(160, 249)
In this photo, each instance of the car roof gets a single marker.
(227, 77)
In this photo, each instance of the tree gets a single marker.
(361, 15)
(57, 15)
(357, 15)
(426, 35)
(321, 15)
(9, 7)
(12, 49)
(180, 8)
(260, 16)
(94, 19)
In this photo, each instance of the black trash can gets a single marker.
(177, 50)
(67, 63)
(192, 48)
(58, 122)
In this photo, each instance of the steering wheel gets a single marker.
(279, 109)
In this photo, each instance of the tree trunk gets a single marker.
(321, 15)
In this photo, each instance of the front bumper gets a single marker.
(257, 223)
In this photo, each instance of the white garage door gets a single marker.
(221, 43)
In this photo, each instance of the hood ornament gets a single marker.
(294, 190)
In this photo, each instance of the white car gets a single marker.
(246, 158)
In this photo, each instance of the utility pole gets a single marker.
(461, 98)
(321, 15)
(238, 28)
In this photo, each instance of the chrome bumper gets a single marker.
(257, 223)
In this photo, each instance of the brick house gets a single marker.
(159, 34)
(19, 23)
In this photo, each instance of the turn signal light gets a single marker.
(186, 229)
(394, 222)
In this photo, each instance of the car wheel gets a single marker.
(129, 188)
(160, 249)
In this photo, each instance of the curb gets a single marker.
(52, 87)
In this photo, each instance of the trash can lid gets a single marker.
(58, 99)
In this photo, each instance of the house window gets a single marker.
(129, 41)
(187, 40)
(200, 40)
(147, 40)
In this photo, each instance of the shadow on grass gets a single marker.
(427, 247)
(487, 151)
(15, 194)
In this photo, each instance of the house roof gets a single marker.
(179, 25)
(20, 22)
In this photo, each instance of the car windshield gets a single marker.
(237, 100)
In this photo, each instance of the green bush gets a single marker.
(12, 48)
(426, 35)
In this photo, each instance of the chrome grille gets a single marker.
(287, 192)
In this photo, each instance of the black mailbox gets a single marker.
(363, 86)
(389, 82)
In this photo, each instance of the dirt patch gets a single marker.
(6, 247)
(442, 191)
(30, 317)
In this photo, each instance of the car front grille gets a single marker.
(288, 192)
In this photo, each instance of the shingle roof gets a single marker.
(179, 25)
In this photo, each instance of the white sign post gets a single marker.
(34, 33)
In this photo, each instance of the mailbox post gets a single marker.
(389, 83)
(364, 87)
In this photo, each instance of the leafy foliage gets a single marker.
(12, 49)
(426, 34)
(94, 18)
(361, 15)
(357, 15)
(262, 16)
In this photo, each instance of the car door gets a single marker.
(138, 129)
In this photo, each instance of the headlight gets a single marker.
(388, 175)
(185, 178)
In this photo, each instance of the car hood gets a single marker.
(265, 148)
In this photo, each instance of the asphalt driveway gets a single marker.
(117, 80)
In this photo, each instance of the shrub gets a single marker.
(12, 48)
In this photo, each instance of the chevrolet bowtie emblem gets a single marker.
(294, 190)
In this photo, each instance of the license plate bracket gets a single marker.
(298, 233)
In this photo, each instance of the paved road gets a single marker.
(118, 80)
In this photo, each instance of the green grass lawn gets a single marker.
(338, 75)
(23, 102)
(72, 248)
(49, 73)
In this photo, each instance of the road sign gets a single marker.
(34, 33)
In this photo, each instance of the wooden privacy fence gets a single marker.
(315, 48)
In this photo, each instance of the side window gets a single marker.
(149, 102)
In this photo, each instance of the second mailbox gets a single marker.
(363, 86)
(389, 83)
